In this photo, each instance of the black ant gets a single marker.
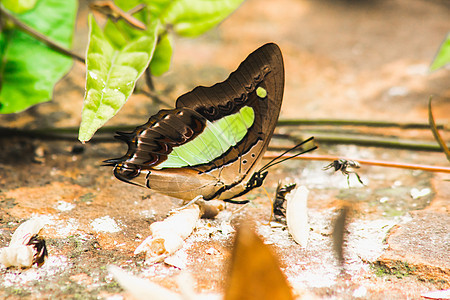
(278, 208)
(40, 248)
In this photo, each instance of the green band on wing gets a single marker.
(215, 140)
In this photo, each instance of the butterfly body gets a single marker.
(212, 142)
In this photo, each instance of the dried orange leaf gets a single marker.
(255, 272)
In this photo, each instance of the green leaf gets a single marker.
(187, 17)
(111, 75)
(126, 5)
(19, 6)
(161, 58)
(156, 7)
(191, 18)
(115, 36)
(443, 56)
(28, 68)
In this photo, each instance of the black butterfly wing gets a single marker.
(264, 69)
(258, 83)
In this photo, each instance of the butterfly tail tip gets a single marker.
(111, 162)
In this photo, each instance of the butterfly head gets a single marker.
(127, 172)
(256, 180)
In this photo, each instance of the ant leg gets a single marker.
(328, 166)
(356, 174)
(359, 178)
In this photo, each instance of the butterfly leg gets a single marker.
(236, 201)
(199, 198)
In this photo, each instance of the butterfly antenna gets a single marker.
(298, 154)
(288, 150)
(274, 161)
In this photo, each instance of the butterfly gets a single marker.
(211, 143)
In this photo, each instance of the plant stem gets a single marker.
(322, 122)
(436, 133)
(368, 141)
(39, 36)
(155, 98)
(151, 93)
(71, 134)
(149, 79)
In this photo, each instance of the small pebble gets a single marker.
(416, 193)
(105, 224)
(398, 91)
(360, 292)
(384, 199)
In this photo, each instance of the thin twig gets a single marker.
(70, 133)
(110, 9)
(39, 36)
(382, 124)
(151, 93)
(149, 79)
(366, 162)
(368, 141)
(436, 133)
(155, 97)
